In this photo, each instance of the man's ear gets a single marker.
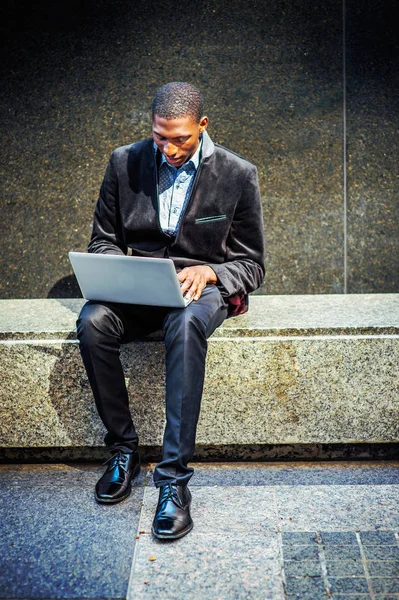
(203, 124)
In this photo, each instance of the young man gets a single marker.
(180, 196)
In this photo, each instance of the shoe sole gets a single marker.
(136, 472)
(173, 537)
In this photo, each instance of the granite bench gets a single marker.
(296, 376)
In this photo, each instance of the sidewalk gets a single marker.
(266, 531)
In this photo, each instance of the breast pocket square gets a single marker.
(211, 219)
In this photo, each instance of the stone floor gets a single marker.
(269, 531)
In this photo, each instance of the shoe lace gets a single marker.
(169, 492)
(117, 460)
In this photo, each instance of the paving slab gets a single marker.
(302, 568)
(300, 553)
(338, 538)
(232, 551)
(385, 586)
(305, 588)
(266, 542)
(293, 473)
(346, 596)
(299, 538)
(245, 510)
(57, 542)
(344, 568)
(213, 565)
(378, 538)
(342, 553)
(348, 585)
(338, 508)
(57, 475)
(383, 568)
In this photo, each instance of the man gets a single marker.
(175, 195)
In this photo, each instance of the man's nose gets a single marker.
(169, 149)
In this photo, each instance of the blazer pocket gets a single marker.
(210, 219)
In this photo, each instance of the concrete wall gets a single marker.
(78, 78)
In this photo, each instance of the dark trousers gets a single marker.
(103, 327)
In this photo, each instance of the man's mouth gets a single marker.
(172, 160)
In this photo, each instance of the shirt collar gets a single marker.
(194, 159)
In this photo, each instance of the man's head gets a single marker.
(178, 121)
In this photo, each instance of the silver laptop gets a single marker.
(128, 279)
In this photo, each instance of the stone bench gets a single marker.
(296, 376)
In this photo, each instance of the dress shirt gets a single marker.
(175, 185)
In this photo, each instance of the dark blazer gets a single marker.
(222, 224)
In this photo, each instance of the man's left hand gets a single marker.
(194, 279)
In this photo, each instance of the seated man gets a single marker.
(175, 195)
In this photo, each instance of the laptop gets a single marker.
(128, 279)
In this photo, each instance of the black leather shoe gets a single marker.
(116, 483)
(172, 519)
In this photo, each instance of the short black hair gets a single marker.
(178, 99)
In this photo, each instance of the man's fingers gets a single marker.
(186, 280)
(193, 280)
(192, 283)
(198, 292)
(192, 291)
(181, 275)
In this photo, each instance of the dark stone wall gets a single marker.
(77, 81)
(373, 145)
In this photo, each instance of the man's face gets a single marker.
(177, 139)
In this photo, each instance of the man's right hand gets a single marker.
(194, 279)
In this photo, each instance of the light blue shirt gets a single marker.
(175, 185)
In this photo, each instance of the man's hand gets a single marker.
(194, 279)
